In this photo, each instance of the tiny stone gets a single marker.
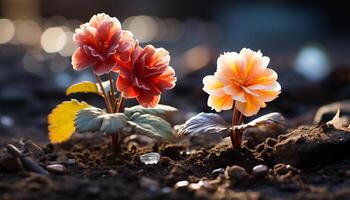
(181, 184)
(150, 158)
(34, 149)
(93, 190)
(166, 190)
(113, 172)
(236, 173)
(260, 170)
(71, 161)
(56, 168)
(150, 184)
(196, 186)
(218, 171)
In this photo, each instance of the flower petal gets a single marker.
(251, 106)
(220, 103)
(148, 101)
(213, 86)
(166, 80)
(230, 66)
(104, 67)
(251, 58)
(81, 61)
(126, 88)
(258, 67)
(266, 78)
(236, 92)
(85, 35)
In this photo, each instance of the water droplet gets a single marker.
(150, 158)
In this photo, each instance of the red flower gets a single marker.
(146, 75)
(102, 44)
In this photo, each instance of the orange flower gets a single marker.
(243, 78)
(102, 43)
(146, 75)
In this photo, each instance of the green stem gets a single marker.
(237, 119)
(121, 100)
(112, 95)
(106, 97)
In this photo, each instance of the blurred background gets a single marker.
(308, 45)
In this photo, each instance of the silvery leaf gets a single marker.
(210, 123)
(204, 123)
(151, 126)
(160, 110)
(93, 119)
(268, 121)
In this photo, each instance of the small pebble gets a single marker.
(150, 158)
(93, 190)
(181, 184)
(34, 149)
(260, 170)
(149, 183)
(218, 171)
(196, 186)
(237, 176)
(71, 162)
(112, 172)
(236, 173)
(56, 168)
(166, 190)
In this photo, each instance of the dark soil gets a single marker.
(99, 174)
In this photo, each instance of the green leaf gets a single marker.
(159, 110)
(83, 87)
(151, 126)
(113, 123)
(89, 120)
(97, 120)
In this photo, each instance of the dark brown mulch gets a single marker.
(99, 174)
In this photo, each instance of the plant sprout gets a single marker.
(133, 71)
(242, 82)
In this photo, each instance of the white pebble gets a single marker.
(181, 184)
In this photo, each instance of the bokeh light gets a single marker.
(145, 28)
(313, 63)
(7, 30)
(197, 57)
(27, 32)
(174, 30)
(53, 39)
(32, 62)
(69, 45)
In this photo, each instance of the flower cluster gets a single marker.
(144, 73)
(243, 81)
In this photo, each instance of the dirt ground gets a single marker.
(191, 168)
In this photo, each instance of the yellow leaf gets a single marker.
(83, 87)
(61, 120)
